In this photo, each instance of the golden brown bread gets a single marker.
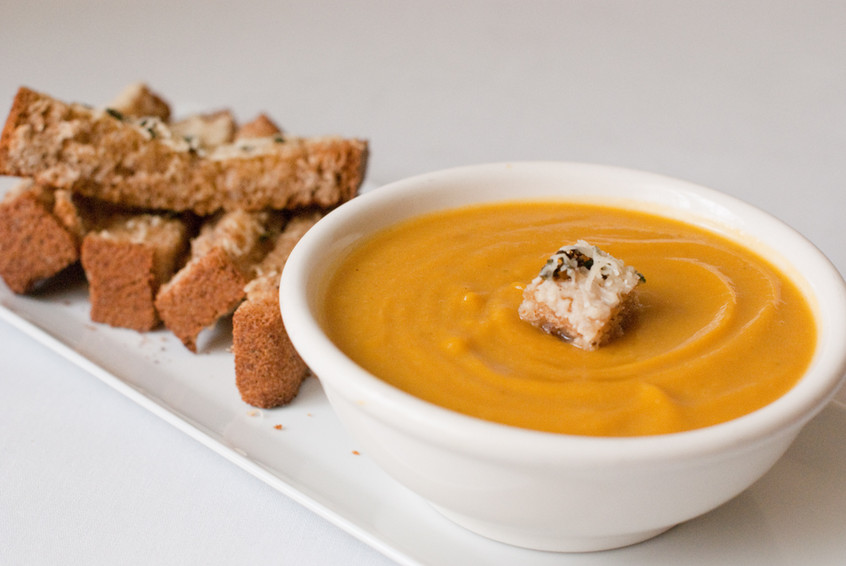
(34, 243)
(138, 100)
(118, 169)
(126, 262)
(211, 284)
(141, 163)
(259, 127)
(41, 232)
(268, 370)
(206, 131)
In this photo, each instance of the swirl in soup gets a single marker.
(430, 305)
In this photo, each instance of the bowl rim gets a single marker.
(492, 440)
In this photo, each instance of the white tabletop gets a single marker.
(747, 97)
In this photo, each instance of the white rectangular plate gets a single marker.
(795, 514)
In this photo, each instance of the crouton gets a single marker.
(268, 370)
(34, 243)
(223, 259)
(582, 295)
(126, 262)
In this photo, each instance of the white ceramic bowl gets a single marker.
(553, 491)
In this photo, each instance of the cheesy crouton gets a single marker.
(582, 294)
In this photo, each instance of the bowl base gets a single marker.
(549, 542)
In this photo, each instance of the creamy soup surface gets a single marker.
(430, 306)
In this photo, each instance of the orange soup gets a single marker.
(430, 306)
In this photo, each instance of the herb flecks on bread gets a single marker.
(142, 162)
(176, 221)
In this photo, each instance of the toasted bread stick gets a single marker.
(140, 162)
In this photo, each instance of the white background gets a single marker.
(747, 97)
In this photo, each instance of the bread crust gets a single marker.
(210, 289)
(126, 263)
(34, 244)
(552, 321)
(259, 127)
(268, 370)
(96, 154)
(120, 282)
(212, 283)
